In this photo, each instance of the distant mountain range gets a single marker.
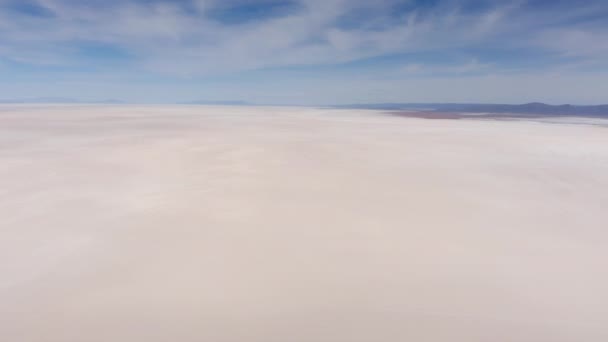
(528, 109)
(534, 109)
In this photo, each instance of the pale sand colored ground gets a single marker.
(242, 224)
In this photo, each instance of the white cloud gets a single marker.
(165, 38)
(168, 39)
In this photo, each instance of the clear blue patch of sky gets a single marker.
(27, 8)
(92, 51)
(393, 13)
(249, 11)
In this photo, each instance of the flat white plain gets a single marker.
(259, 224)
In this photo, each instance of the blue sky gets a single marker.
(306, 51)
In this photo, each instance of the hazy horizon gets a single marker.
(76, 101)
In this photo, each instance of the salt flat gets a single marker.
(237, 224)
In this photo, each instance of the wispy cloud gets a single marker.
(209, 38)
(471, 67)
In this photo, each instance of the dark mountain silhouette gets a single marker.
(528, 109)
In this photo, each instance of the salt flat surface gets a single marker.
(236, 224)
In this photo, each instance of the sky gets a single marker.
(306, 52)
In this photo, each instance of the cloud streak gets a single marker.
(208, 38)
